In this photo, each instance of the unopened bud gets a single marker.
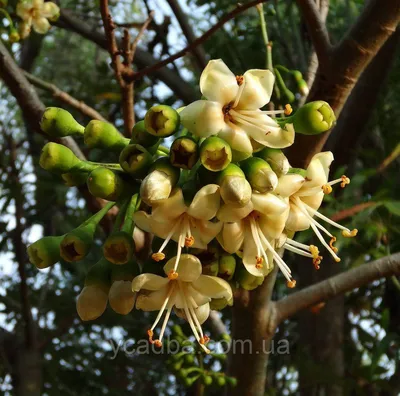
(227, 266)
(210, 268)
(57, 158)
(232, 381)
(100, 134)
(235, 189)
(159, 183)
(184, 152)
(45, 252)
(106, 184)
(161, 121)
(221, 381)
(74, 179)
(246, 280)
(76, 244)
(215, 154)
(313, 118)
(121, 297)
(259, 174)
(207, 380)
(135, 160)
(276, 159)
(119, 247)
(57, 122)
(297, 171)
(142, 137)
(14, 36)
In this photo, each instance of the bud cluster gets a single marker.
(221, 199)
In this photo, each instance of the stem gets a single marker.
(89, 166)
(97, 217)
(128, 219)
(264, 32)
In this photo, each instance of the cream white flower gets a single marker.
(305, 198)
(189, 226)
(255, 230)
(191, 293)
(232, 109)
(36, 13)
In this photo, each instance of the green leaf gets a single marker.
(393, 207)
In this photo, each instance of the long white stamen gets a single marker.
(256, 237)
(169, 236)
(259, 124)
(160, 313)
(189, 318)
(179, 252)
(297, 244)
(239, 94)
(327, 219)
(297, 251)
(196, 320)
(165, 323)
(321, 238)
(267, 112)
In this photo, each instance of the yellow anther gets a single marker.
(158, 256)
(326, 188)
(331, 242)
(314, 251)
(239, 80)
(158, 343)
(259, 260)
(338, 260)
(350, 234)
(172, 275)
(288, 109)
(150, 335)
(317, 262)
(291, 284)
(204, 340)
(189, 241)
(345, 180)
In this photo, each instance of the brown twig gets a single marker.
(337, 285)
(349, 212)
(143, 28)
(317, 29)
(64, 97)
(132, 75)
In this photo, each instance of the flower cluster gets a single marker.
(221, 201)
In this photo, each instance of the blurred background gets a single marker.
(42, 340)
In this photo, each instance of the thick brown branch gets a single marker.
(198, 52)
(151, 69)
(337, 285)
(64, 97)
(317, 29)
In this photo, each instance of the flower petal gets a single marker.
(213, 287)
(236, 137)
(218, 83)
(272, 226)
(41, 25)
(289, 184)
(189, 268)
(203, 118)
(229, 213)
(257, 90)
(148, 282)
(202, 312)
(24, 10)
(50, 10)
(205, 203)
(169, 209)
(231, 237)
(204, 231)
(268, 203)
(142, 220)
(250, 253)
(151, 301)
(317, 171)
(297, 221)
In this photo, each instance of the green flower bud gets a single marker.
(238, 156)
(142, 137)
(57, 158)
(77, 243)
(276, 159)
(221, 381)
(119, 247)
(246, 280)
(235, 189)
(177, 331)
(14, 36)
(210, 268)
(177, 365)
(232, 381)
(159, 183)
(207, 380)
(92, 301)
(259, 174)
(227, 266)
(215, 154)
(100, 134)
(135, 160)
(106, 184)
(57, 122)
(161, 121)
(75, 179)
(45, 252)
(313, 118)
(189, 359)
(184, 152)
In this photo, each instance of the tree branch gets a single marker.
(180, 87)
(65, 97)
(337, 285)
(317, 29)
(151, 69)
(198, 52)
